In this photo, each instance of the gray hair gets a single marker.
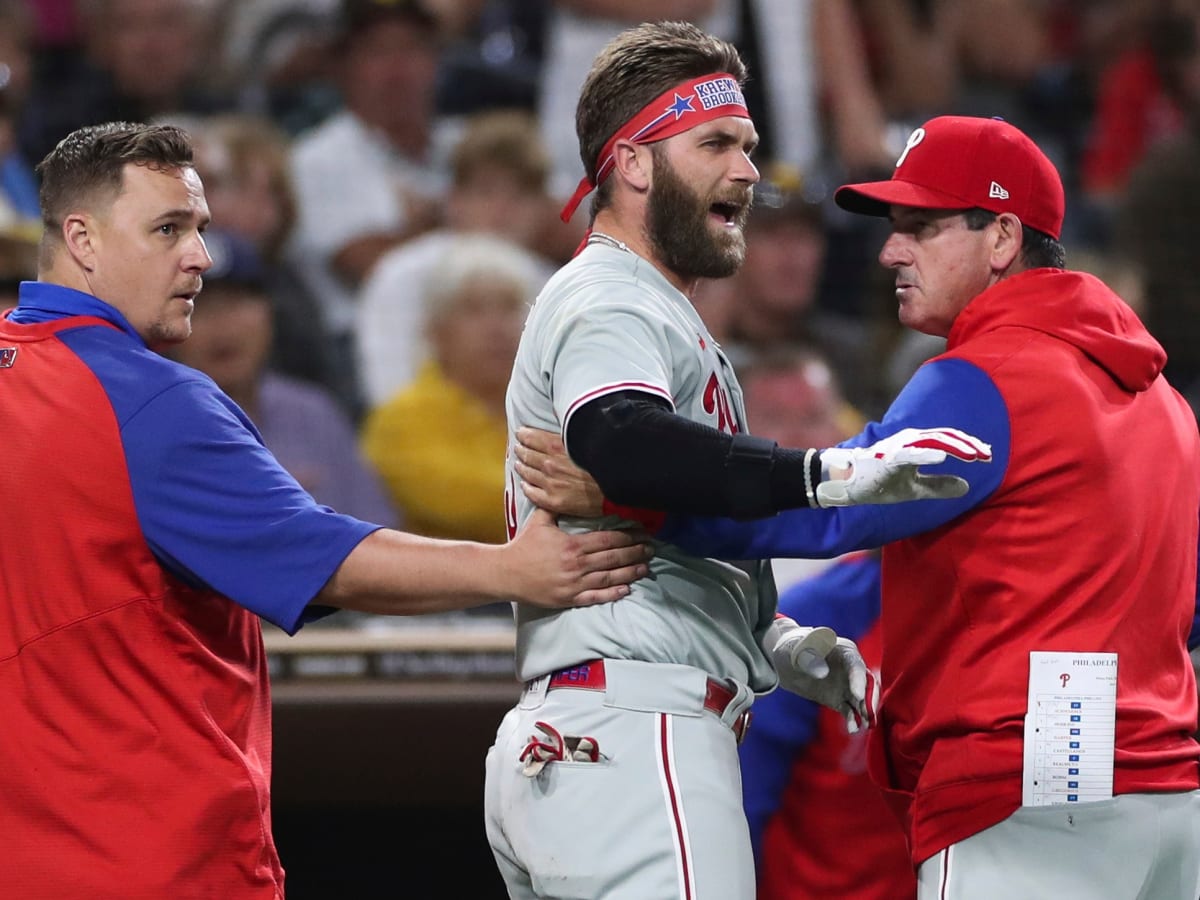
(480, 258)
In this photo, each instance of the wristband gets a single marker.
(748, 466)
(812, 476)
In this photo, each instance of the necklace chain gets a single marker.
(599, 237)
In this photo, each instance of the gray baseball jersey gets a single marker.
(609, 321)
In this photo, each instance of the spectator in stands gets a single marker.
(793, 397)
(300, 423)
(493, 54)
(1143, 98)
(1153, 225)
(776, 292)
(141, 59)
(499, 187)
(791, 394)
(18, 262)
(18, 185)
(275, 54)
(371, 176)
(243, 162)
(20, 214)
(56, 24)
(439, 443)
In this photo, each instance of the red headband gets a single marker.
(678, 110)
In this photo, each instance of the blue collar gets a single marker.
(40, 301)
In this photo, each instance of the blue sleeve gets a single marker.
(218, 509)
(946, 392)
(845, 597)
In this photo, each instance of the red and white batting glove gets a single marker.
(820, 666)
(887, 471)
(868, 717)
(551, 746)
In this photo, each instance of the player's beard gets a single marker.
(679, 230)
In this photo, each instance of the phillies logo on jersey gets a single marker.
(510, 507)
(716, 402)
(8, 356)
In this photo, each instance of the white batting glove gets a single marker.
(820, 666)
(887, 471)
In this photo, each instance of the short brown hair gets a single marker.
(635, 67)
(506, 139)
(88, 165)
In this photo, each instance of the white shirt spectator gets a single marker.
(351, 182)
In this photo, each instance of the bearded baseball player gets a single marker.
(616, 775)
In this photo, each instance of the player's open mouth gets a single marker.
(730, 213)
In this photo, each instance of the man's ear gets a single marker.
(80, 237)
(634, 163)
(1006, 243)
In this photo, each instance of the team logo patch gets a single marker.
(8, 356)
(913, 139)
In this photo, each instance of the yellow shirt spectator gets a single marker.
(439, 442)
(441, 454)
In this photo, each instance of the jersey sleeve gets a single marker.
(946, 392)
(218, 510)
(595, 346)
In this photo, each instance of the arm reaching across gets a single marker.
(396, 573)
(886, 472)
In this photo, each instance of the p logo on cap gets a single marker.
(962, 162)
(913, 139)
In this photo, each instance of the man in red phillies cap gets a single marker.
(1035, 729)
(960, 162)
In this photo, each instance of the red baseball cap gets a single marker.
(960, 162)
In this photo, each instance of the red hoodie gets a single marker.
(1088, 544)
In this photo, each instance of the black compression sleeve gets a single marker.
(642, 454)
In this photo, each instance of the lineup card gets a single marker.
(1070, 728)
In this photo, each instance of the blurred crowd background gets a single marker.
(385, 178)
